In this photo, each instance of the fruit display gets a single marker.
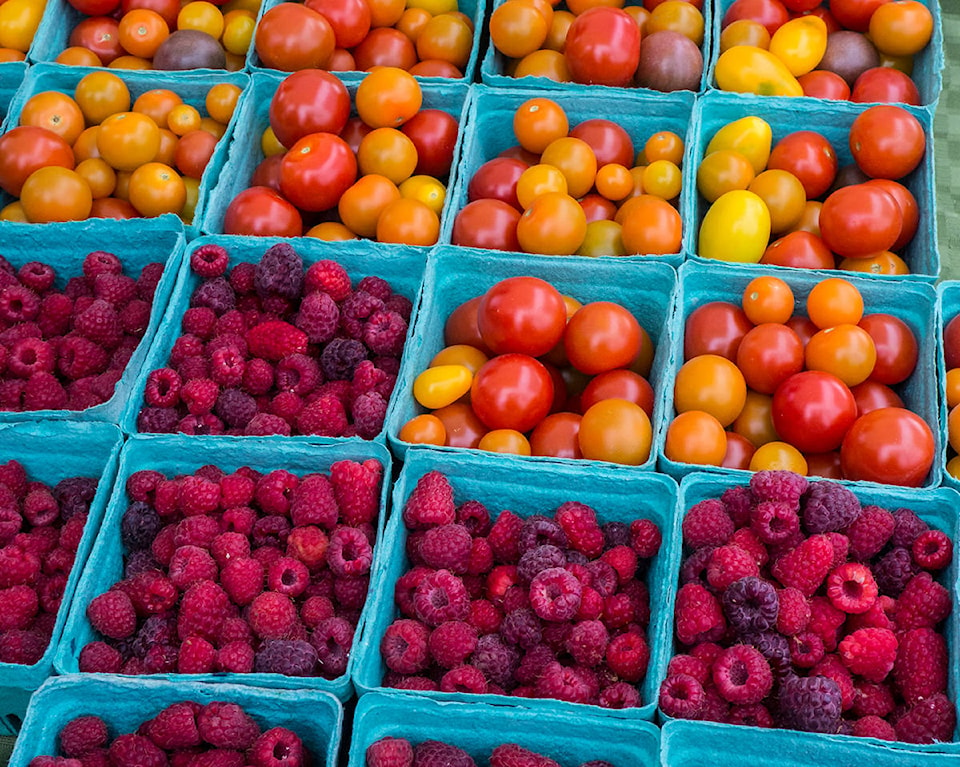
(546, 175)
(852, 195)
(18, 27)
(277, 346)
(306, 166)
(428, 38)
(652, 44)
(104, 145)
(847, 50)
(804, 605)
(822, 375)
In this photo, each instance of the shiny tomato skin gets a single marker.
(771, 13)
(308, 101)
(896, 345)
(601, 336)
(810, 157)
(886, 85)
(95, 7)
(801, 250)
(260, 211)
(739, 452)
(26, 148)
(717, 327)
(609, 141)
(525, 315)
(603, 47)
(909, 209)
(619, 384)
(497, 179)
(316, 171)
(859, 220)
(891, 445)
(887, 141)
(461, 326)
(434, 134)
(512, 391)
(557, 436)
(768, 355)
(487, 223)
(813, 410)
(871, 395)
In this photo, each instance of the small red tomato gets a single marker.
(512, 391)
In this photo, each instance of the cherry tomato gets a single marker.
(619, 384)
(316, 171)
(385, 47)
(871, 396)
(27, 148)
(909, 210)
(603, 47)
(95, 7)
(810, 157)
(771, 13)
(487, 223)
(803, 327)
(617, 431)
(508, 441)
(461, 326)
(896, 347)
(887, 141)
(434, 134)
(859, 220)
(717, 327)
(891, 445)
(855, 14)
(610, 142)
(99, 34)
(710, 383)
(768, 355)
(261, 211)
(778, 456)
(557, 435)
(441, 385)
(695, 437)
(845, 350)
(350, 19)
(526, 315)
(755, 422)
(497, 179)
(424, 429)
(309, 101)
(812, 411)
(834, 301)
(822, 84)
(512, 391)
(825, 465)
(293, 37)
(901, 28)
(799, 249)
(767, 299)
(601, 336)
(553, 225)
(461, 425)
(886, 85)
(739, 452)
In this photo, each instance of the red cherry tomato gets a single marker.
(461, 326)
(771, 13)
(461, 424)
(434, 134)
(316, 171)
(951, 342)
(350, 19)
(526, 315)
(887, 141)
(886, 85)
(100, 34)
(909, 210)
(739, 452)
(557, 436)
(825, 465)
(858, 220)
(487, 223)
(801, 250)
(812, 411)
(891, 445)
(619, 384)
(822, 84)
(768, 355)
(610, 142)
(603, 47)
(25, 149)
(308, 101)
(267, 173)
(601, 336)
(385, 47)
(810, 157)
(871, 396)
(497, 179)
(854, 14)
(717, 327)
(896, 344)
(260, 211)
(512, 391)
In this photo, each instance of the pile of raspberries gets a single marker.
(537, 607)
(802, 609)
(218, 734)
(66, 349)
(240, 572)
(271, 348)
(400, 752)
(40, 530)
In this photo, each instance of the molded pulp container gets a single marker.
(456, 275)
(176, 455)
(832, 119)
(80, 449)
(640, 113)
(192, 87)
(11, 76)
(527, 490)
(253, 116)
(316, 716)
(478, 728)
(938, 507)
(493, 65)
(64, 247)
(948, 307)
(401, 266)
(914, 303)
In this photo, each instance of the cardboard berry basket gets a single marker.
(927, 64)
(490, 120)
(478, 728)
(494, 64)
(938, 508)
(192, 87)
(948, 307)
(11, 75)
(80, 449)
(832, 119)
(253, 116)
(454, 275)
(399, 265)
(174, 455)
(64, 247)
(912, 302)
(475, 9)
(526, 490)
(124, 704)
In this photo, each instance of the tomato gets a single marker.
(461, 326)
(460, 354)
(799, 249)
(54, 193)
(909, 210)
(168, 9)
(292, 37)
(739, 452)
(409, 222)
(603, 47)
(751, 136)
(96, 7)
(461, 424)
(824, 465)
(508, 441)
(360, 206)
(768, 355)
(784, 197)
(887, 85)
(619, 384)
(617, 431)
(350, 19)
(99, 34)
(497, 179)
(310, 101)
(603, 238)
(538, 122)
(771, 13)
(855, 14)
(651, 226)
(871, 396)
(887, 141)
(512, 391)
(745, 69)
(896, 347)
(487, 223)
(521, 314)
(316, 171)
(56, 112)
(156, 189)
(800, 43)
(434, 134)
(388, 97)
(441, 385)
(859, 220)
(517, 28)
(812, 411)
(424, 429)
(101, 94)
(710, 383)
(810, 157)
(25, 149)
(755, 422)
(717, 327)
(142, 31)
(193, 152)
(388, 152)
(261, 211)
(385, 47)
(601, 336)
(890, 445)
(735, 228)
(597, 208)
(901, 27)
(447, 38)
(695, 437)
(778, 456)
(553, 225)
(721, 171)
(834, 301)
(822, 84)
(610, 142)
(951, 342)
(845, 350)
(744, 32)
(557, 436)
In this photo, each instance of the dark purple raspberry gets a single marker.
(332, 639)
(828, 507)
(750, 605)
(810, 704)
(738, 501)
(369, 410)
(340, 358)
(907, 526)
(535, 560)
(538, 530)
(279, 272)
(616, 534)
(433, 753)
(235, 407)
(498, 661)
(215, 294)
(355, 310)
(290, 657)
(893, 571)
(521, 627)
(157, 420)
(139, 526)
(774, 647)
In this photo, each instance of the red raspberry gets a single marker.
(433, 753)
(329, 277)
(851, 588)
(441, 596)
(430, 503)
(356, 486)
(274, 339)
(199, 395)
(29, 356)
(504, 537)
(136, 749)
(921, 667)
(806, 566)
(203, 608)
(707, 524)
(742, 675)
(18, 304)
(44, 392)
(100, 323)
(565, 683)
(825, 621)
(198, 495)
(932, 550)
(151, 592)
(278, 747)
(699, 615)
(619, 695)
(869, 652)
(681, 696)
(115, 289)
(288, 576)
(871, 699)
(349, 553)
(645, 538)
(555, 594)
(368, 412)
(18, 566)
(404, 646)
(199, 321)
(274, 490)
(869, 532)
(874, 727)
(101, 262)
(196, 656)
(175, 727)
(235, 657)
(484, 616)
(272, 615)
(37, 276)
(579, 522)
(806, 649)
(447, 547)
(209, 260)
(56, 312)
(227, 725)
(728, 564)
(794, 613)
(775, 522)
(390, 752)
(112, 614)
(931, 720)
(464, 679)
(774, 485)
(162, 388)
(923, 603)
(82, 735)
(628, 656)
(512, 755)
(690, 665)
(324, 417)
(99, 657)
(747, 540)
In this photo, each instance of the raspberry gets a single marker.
(779, 486)
(728, 564)
(775, 522)
(920, 670)
(209, 260)
(235, 408)
(116, 289)
(922, 604)
(297, 373)
(40, 507)
(869, 652)
(369, 411)
(699, 616)
(328, 277)
(441, 596)
(521, 627)
(628, 656)
(340, 357)
(99, 323)
(707, 524)
(101, 262)
(538, 530)
(139, 526)
(274, 339)
(869, 532)
(56, 313)
(37, 276)
(742, 675)
(555, 594)
(513, 755)
(112, 614)
(265, 424)
(433, 753)
(99, 657)
(390, 752)
(235, 657)
(355, 310)
(893, 570)
(447, 547)
(404, 646)
(44, 392)
(136, 749)
(750, 605)
(29, 356)
(810, 704)
(693, 569)
(332, 639)
(203, 608)
(828, 506)
(464, 679)
(157, 420)
(497, 660)
(907, 526)
(504, 537)
(278, 747)
(932, 550)
(279, 272)
(874, 727)
(83, 735)
(806, 566)
(324, 417)
(431, 503)
(794, 612)
(563, 683)
(349, 553)
(290, 657)
(356, 487)
(23, 647)
(681, 696)
(931, 720)
(579, 523)
(162, 388)
(148, 280)
(385, 333)
(18, 304)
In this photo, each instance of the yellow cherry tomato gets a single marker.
(603, 238)
(508, 441)
(778, 456)
(735, 228)
(19, 20)
(800, 44)
(442, 385)
(460, 354)
(723, 171)
(748, 69)
(426, 189)
(750, 136)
